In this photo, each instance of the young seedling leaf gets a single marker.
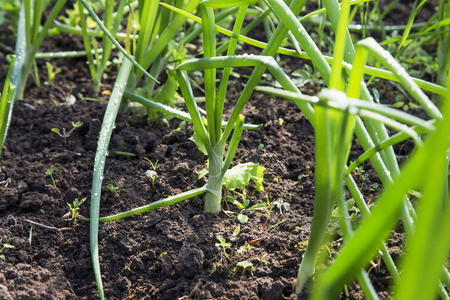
(151, 174)
(259, 206)
(242, 218)
(222, 242)
(235, 202)
(244, 265)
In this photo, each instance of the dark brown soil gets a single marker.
(169, 253)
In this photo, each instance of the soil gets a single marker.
(171, 252)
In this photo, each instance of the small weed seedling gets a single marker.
(51, 73)
(263, 259)
(243, 265)
(112, 188)
(308, 75)
(6, 245)
(224, 244)
(268, 211)
(50, 172)
(241, 217)
(65, 135)
(155, 165)
(282, 205)
(74, 207)
(152, 174)
(361, 174)
(308, 172)
(245, 248)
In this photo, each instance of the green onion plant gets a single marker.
(97, 61)
(333, 145)
(149, 50)
(344, 109)
(6, 98)
(333, 134)
(30, 35)
(29, 38)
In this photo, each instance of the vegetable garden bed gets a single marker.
(175, 251)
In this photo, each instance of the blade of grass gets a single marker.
(393, 140)
(365, 212)
(94, 33)
(234, 142)
(371, 46)
(113, 24)
(227, 4)
(87, 45)
(339, 156)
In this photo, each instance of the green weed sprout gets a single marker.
(244, 206)
(65, 135)
(282, 205)
(6, 245)
(152, 174)
(244, 266)
(50, 172)
(112, 188)
(51, 73)
(155, 166)
(223, 244)
(74, 208)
